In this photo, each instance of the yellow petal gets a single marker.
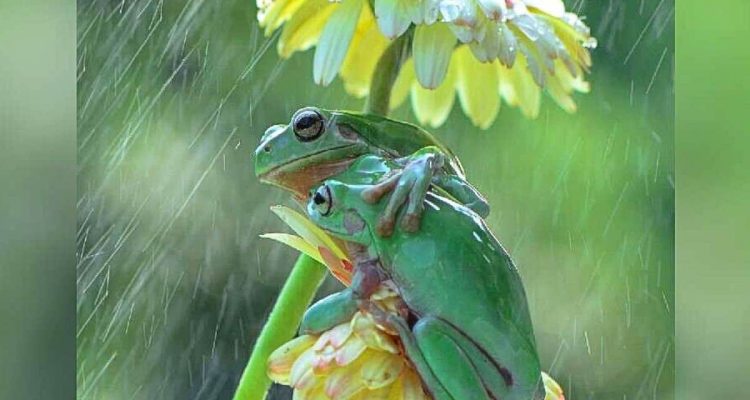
(350, 351)
(403, 84)
(296, 243)
(368, 44)
(396, 390)
(552, 389)
(391, 305)
(572, 39)
(534, 61)
(344, 383)
(432, 107)
(301, 376)
(365, 328)
(381, 369)
(493, 9)
(392, 17)
(384, 291)
(555, 8)
(340, 269)
(432, 49)
(560, 95)
(387, 298)
(570, 82)
(334, 41)
(277, 13)
(518, 88)
(309, 231)
(477, 85)
(409, 387)
(316, 392)
(376, 394)
(304, 27)
(323, 364)
(334, 337)
(281, 360)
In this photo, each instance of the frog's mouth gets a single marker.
(299, 178)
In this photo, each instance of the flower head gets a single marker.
(358, 359)
(481, 50)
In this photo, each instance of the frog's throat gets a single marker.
(300, 180)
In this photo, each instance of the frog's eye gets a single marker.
(322, 200)
(308, 124)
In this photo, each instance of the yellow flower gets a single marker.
(355, 360)
(358, 359)
(482, 50)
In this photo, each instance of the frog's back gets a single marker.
(473, 284)
(397, 138)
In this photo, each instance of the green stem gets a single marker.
(295, 297)
(308, 274)
(386, 73)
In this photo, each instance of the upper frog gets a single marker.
(318, 143)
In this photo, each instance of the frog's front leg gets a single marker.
(409, 184)
(340, 307)
(329, 312)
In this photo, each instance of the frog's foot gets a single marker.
(408, 185)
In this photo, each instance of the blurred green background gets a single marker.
(174, 283)
(37, 200)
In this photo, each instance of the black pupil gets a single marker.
(319, 198)
(308, 125)
(306, 121)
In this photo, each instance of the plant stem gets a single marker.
(308, 274)
(295, 297)
(386, 72)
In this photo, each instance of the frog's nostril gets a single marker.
(267, 148)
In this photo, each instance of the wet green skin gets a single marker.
(282, 159)
(473, 338)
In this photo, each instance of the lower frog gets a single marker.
(466, 326)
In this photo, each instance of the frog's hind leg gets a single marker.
(445, 368)
(496, 380)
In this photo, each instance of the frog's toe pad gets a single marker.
(385, 227)
(410, 222)
(370, 196)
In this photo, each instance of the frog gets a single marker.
(465, 323)
(318, 144)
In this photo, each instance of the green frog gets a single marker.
(318, 144)
(465, 323)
